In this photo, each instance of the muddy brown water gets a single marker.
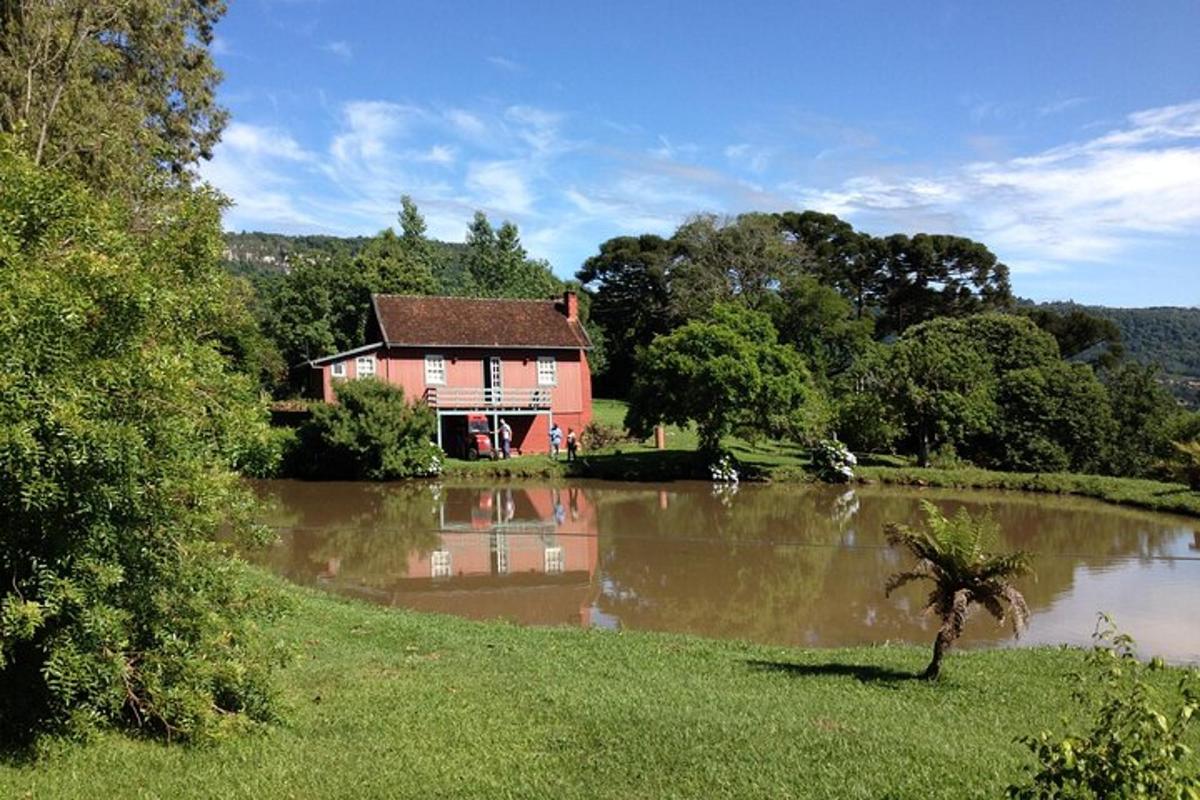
(788, 565)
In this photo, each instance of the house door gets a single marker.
(493, 377)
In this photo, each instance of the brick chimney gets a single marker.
(571, 305)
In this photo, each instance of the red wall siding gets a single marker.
(570, 398)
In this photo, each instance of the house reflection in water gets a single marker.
(524, 554)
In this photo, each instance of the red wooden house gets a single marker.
(521, 361)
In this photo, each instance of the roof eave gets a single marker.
(316, 362)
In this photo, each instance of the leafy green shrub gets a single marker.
(598, 436)
(1186, 465)
(1132, 749)
(371, 433)
(120, 430)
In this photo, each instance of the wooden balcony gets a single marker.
(446, 398)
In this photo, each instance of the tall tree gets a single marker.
(821, 324)
(841, 257)
(630, 301)
(1144, 412)
(745, 260)
(112, 91)
(500, 267)
(927, 276)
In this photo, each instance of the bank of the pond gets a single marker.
(1151, 495)
(777, 466)
(388, 704)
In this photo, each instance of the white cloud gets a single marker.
(506, 64)
(1059, 106)
(1084, 201)
(755, 159)
(466, 123)
(368, 126)
(341, 49)
(500, 185)
(258, 140)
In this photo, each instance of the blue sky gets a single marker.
(1064, 135)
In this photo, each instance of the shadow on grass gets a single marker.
(864, 673)
(640, 465)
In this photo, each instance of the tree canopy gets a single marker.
(726, 371)
(119, 94)
(121, 427)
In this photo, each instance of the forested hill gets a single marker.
(258, 253)
(1167, 335)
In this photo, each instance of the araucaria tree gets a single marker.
(121, 430)
(953, 555)
(723, 372)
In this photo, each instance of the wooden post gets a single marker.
(660, 437)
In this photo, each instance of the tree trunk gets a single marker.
(940, 645)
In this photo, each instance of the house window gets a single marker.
(547, 371)
(364, 366)
(338, 370)
(435, 371)
(554, 560)
(440, 560)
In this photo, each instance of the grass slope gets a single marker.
(390, 704)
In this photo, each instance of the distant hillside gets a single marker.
(260, 254)
(1168, 336)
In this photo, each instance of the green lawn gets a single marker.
(390, 704)
(787, 461)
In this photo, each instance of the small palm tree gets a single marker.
(952, 553)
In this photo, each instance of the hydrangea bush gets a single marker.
(833, 461)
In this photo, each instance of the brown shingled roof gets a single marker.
(473, 322)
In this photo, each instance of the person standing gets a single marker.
(505, 440)
(555, 440)
(572, 444)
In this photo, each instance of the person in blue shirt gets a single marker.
(555, 440)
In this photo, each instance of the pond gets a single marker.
(788, 565)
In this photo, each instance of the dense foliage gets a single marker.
(953, 555)
(723, 372)
(371, 433)
(1131, 749)
(119, 94)
(994, 388)
(121, 426)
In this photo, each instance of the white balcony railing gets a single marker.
(444, 397)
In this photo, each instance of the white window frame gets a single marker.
(358, 367)
(441, 564)
(555, 561)
(551, 378)
(439, 360)
(337, 369)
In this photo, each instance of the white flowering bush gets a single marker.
(724, 470)
(434, 464)
(833, 461)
